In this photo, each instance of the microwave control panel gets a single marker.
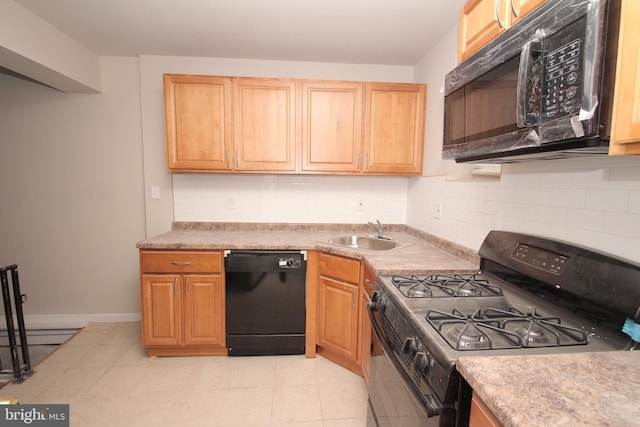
(563, 71)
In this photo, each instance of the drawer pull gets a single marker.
(181, 262)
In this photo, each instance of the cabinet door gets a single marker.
(332, 114)
(625, 132)
(197, 122)
(264, 124)
(161, 310)
(480, 22)
(521, 8)
(480, 415)
(338, 317)
(394, 128)
(203, 309)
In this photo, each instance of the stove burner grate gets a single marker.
(494, 329)
(444, 285)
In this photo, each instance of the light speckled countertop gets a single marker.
(418, 252)
(584, 389)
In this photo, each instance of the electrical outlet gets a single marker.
(437, 211)
(360, 205)
(231, 202)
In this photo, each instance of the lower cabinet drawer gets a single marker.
(180, 261)
(340, 268)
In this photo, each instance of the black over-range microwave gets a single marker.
(542, 89)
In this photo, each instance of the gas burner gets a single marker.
(444, 285)
(469, 337)
(494, 329)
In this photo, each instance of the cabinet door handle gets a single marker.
(175, 286)
(186, 287)
(181, 262)
(236, 159)
(226, 158)
(353, 297)
(366, 161)
(498, 14)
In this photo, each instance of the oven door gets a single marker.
(393, 400)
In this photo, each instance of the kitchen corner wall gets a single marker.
(72, 197)
(259, 198)
(590, 201)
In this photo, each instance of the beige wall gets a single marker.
(72, 196)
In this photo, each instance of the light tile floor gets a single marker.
(106, 378)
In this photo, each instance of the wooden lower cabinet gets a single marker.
(481, 416)
(339, 313)
(161, 310)
(183, 311)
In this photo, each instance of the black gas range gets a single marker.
(531, 296)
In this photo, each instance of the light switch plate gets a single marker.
(155, 191)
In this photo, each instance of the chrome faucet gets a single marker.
(379, 228)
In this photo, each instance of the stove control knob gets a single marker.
(409, 347)
(374, 296)
(421, 361)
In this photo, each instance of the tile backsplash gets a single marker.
(589, 201)
(289, 198)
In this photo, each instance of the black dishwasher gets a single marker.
(265, 302)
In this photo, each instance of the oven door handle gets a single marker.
(430, 408)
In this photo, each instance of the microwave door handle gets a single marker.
(528, 82)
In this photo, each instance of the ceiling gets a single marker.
(388, 32)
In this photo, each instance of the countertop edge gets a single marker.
(213, 238)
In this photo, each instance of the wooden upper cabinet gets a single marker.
(264, 124)
(521, 8)
(625, 132)
(332, 114)
(197, 122)
(482, 20)
(394, 128)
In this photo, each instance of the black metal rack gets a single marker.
(20, 371)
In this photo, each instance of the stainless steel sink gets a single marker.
(364, 242)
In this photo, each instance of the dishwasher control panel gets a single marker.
(289, 262)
